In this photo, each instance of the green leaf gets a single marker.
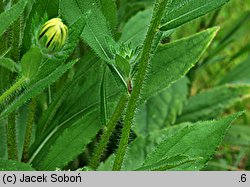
(162, 109)
(143, 145)
(168, 163)
(8, 17)
(21, 123)
(108, 8)
(70, 104)
(211, 103)
(78, 99)
(198, 140)
(31, 62)
(10, 165)
(75, 31)
(119, 78)
(9, 64)
(74, 88)
(123, 66)
(68, 143)
(135, 35)
(97, 30)
(181, 11)
(172, 61)
(239, 74)
(77, 90)
(48, 6)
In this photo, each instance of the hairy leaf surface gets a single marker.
(181, 11)
(97, 32)
(162, 109)
(68, 143)
(11, 165)
(193, 141)
(172, 61)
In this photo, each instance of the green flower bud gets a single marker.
(54, 33)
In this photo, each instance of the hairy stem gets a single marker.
(158, 13)
(29, 127)
(107, 132)
(16, 86)
(11, 137)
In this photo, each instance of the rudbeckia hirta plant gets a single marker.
(124, 85)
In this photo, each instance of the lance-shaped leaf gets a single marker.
(198, 140)
(181, 11)
(76, 106)
(162, 109)
(30, 62)
(108, 8)
(67, 143)
(135, 35)
(172, 61)
(97, 32)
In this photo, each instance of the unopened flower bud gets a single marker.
(55, 32)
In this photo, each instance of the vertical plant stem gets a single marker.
(107, 132)
(11, 127)
(11, 137)
(29, 127)
(158, 13)
(15, 52)
(16, 86)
